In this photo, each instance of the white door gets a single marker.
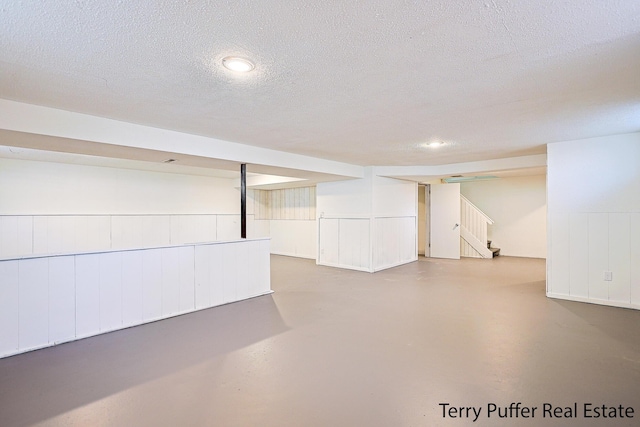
(445, 221)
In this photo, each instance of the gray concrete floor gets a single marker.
(343, 348)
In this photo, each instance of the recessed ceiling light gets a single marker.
(434, 144)
(239, 65)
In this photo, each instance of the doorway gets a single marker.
(423, 220)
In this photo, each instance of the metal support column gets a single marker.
(243, 201)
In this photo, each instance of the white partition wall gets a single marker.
(49, 208)
(368, 224)
(395, 226)
(345, 243)
(395, 241)
(288, 216)
(594, 220)
(25, 235)
(49, 300)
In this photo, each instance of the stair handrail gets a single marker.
(489, 220)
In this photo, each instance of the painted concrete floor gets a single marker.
(343, 348)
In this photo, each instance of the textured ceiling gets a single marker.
(363, 82)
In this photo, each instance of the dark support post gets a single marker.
(243, 201)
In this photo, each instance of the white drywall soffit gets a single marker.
(524, 165)
(29, 154)
(71, 131)
(493, 79)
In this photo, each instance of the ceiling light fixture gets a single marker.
(239, 65)
(434, 144)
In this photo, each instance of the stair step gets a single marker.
(495, 251)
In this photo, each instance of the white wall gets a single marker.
(367, 224)
(30, 188)
(518, 206)
(395, 215)
(49, 300)
(352, 198)
(54, 208)
(297, 238)
(594, 220)
(288, 216)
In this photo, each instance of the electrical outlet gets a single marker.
(608, 276)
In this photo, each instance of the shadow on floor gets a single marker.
(103, 365)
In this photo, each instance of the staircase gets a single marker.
(473, 232)
(494, 251)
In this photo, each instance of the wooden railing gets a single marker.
(473, 230)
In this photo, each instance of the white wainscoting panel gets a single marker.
(132, 304)
(293, 237)
(579, 255)
(217, 278)
(228, 280)
(34, 303)
(559, 254)
(152, 285)
(354, 243)
(62, 299)
(127, 232)
(202, 274)
(262, 228)
(27, 235)
(9, 309)
(8, 235)
(40, 232)
(186, 266)
(634, 255)
(345, 243)
(49, 300)
(98, 232)
(260, 272)
(156, 231)
(83, 232)
(87, 295)
(598, 255)
(619, 257)
(329, 241)
(395, 241)
(110, 291)
(228, 227)
(170, 281)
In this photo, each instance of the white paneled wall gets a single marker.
(594, 220)
(296, 238)
(395, 241)
(354, 243)
(27, 235)
(367, 224)
(590, 244)
(288, 216)
(345, 243)
(329, 241)
(48, 300)
(287, 203)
